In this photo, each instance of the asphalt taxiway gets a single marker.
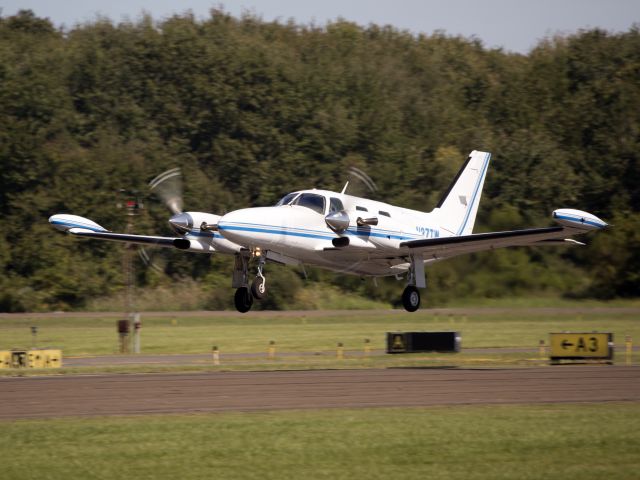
(140, 394)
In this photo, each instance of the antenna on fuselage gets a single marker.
(344, 189)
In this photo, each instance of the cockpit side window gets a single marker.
(335, 205)
(312, 201)
(286, 200)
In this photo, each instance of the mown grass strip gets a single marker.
(184, 334)
(586, 441)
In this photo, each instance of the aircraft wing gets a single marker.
(127, 238)
(571, 222)
(446, 247)
(83, 227)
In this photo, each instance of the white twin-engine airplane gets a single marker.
(347, 234)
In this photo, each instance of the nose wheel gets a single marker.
(259, 287)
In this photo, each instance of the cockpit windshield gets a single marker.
(311, 200)
(286, 200)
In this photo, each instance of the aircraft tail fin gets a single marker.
(458, 207)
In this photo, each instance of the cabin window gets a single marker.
(335, 205)
(386, 214)
(286, 200)
(361, 209)
(312, 201)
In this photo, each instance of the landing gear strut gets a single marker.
(259, 284)
(258, 288)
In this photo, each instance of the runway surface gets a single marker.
(42, 397)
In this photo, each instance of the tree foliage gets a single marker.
(252, 109)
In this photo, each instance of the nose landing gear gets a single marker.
(259, 285)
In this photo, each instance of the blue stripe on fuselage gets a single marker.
(275, 230)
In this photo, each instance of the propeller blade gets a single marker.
(168, 186)
(360, 184)
(148, 261)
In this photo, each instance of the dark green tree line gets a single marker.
(251, 110)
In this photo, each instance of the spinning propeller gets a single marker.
(361, 185)
(168, 187)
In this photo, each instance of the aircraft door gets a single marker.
(305, 225)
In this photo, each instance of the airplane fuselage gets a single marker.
(301, 233)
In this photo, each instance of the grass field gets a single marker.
(586, 441)
(481, 442)
(247, 334)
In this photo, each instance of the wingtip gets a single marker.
(65, 222)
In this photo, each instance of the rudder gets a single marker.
(458, 207)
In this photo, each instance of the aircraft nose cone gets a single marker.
(181, 223)
(252, 227)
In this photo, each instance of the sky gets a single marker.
(514, 25)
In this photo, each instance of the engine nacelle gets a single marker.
(352, 241)
(578, 219)
(388, 234)
(206, 240)
(191, 243)
(189, 222)
(387, 242)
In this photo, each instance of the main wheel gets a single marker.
(243, 300)
(259, 288)
(411, 298)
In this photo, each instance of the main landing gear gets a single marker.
(245, 294)
(411, 298)
(411, 294)
(243, 300)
